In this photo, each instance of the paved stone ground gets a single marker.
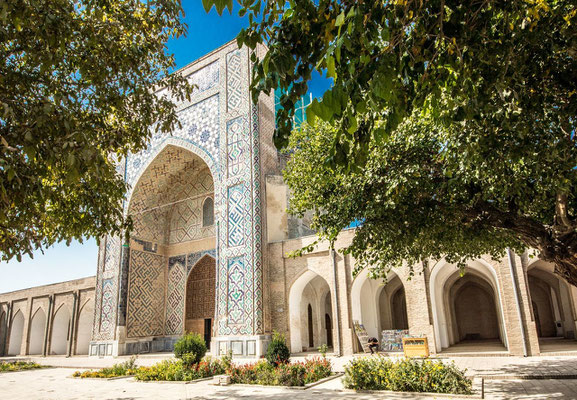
(55, 383)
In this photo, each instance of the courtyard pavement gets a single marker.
(500, 382)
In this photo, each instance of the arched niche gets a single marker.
(379, 305)
(60, 331)
(16, 334)
(309, 305)
(552, 301)
(37, 332)
(444, 277)
(84, 328)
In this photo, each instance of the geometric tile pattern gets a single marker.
(236, 215)
(236, 290)
(205, 78)
(199, 125)
(107, 307)
(200, 289)
(236, 136)
(111, 252)
(193, 258)
(166, 204)
(145, 315)
(175, 295)
(234, 93)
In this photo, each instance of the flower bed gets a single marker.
(284, 374)
(11, 366)
(407, 375)
(178, 370)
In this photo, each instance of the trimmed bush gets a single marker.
(277, 351)
(191, 344)
(407, 375)
(284, 374)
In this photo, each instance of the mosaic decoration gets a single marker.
(193, 258)
(146, 294)
(175, 295)
(236, 215)
(200, 124)
(111, 252)
(236, 290)
(236, 130)
(107, 307)
(234, 92)
(166, 205)
(205, 78)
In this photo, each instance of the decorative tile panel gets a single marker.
(236, 215)
(237, 146)
(107, 307)
(205, 78)
(236, 290)
(234, 92)
(146, 294)
(111, 253)
(175, 295)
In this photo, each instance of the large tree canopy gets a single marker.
(449, 130)
(77, 82)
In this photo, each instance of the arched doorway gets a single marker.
(37, 331)
(84, 330)
(467, 310)
(553, 308)
(172, 206)
(309, 301)
(200, 298)
(378, 305)
(60, 332)
(16, 334)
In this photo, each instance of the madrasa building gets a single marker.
(208, 254)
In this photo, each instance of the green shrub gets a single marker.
(277, 352)
(323, 348)
(407, 375)
(177, 370)
(283, 374)
(192, 344)
(120, 369)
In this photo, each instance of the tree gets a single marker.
(77, 93)
(450, 127)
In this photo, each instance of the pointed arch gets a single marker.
(16, 334)
(60, 331)
(37, 332)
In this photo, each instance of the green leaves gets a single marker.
(220, 5)
(76, 82)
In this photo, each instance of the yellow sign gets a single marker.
(416, 347)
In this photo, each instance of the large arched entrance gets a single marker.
(200, 298)
(37, 332)
(379, 307)
(16, 333)
(172, 207)
(467, 311)
(60, 331)
(553, 308)
(310, 309)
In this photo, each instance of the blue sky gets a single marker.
(60, 262)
